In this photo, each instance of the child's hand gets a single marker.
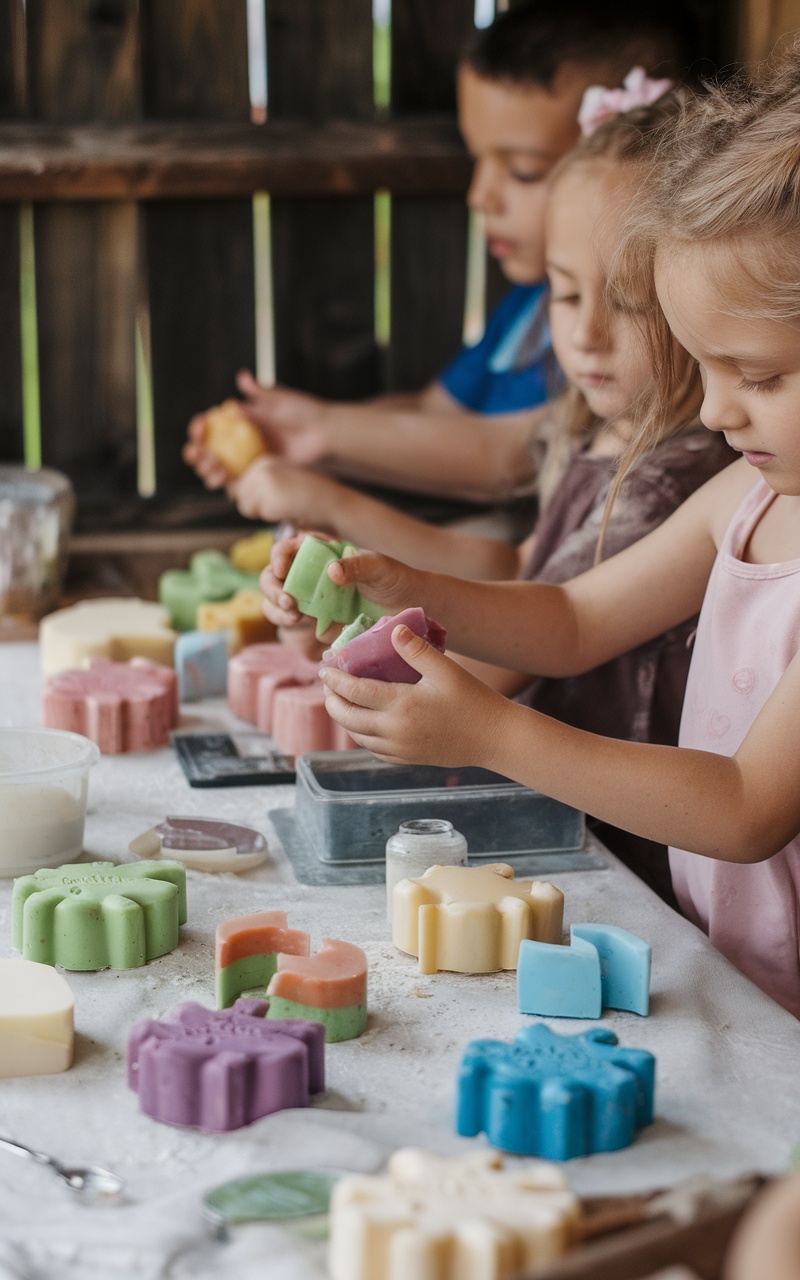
(210, 470)
(449, 718)
(274, 490)
(293, 423)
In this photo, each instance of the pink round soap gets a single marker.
(373, 655)
(257, 672)
(122, 706)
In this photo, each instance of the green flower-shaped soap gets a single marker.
(316, 596)
(210, 577)
(96, 915)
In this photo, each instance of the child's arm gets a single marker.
(274, 490)
(742, 808)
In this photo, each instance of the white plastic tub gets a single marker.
(44, 781)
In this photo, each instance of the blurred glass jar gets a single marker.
(37, 510)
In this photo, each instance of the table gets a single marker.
(727, 1100)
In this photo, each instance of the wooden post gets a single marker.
(12, 105)
(83, 65)
(763, 24)
(429, 236)
(320, 67)
(199, 255)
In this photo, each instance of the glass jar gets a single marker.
(421, 843)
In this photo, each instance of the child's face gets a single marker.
(516, 133)
(602, 352)
(750, 368)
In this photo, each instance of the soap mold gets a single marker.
(555, 1096)
(96, 915)
(116, 628)
(314, 593)
(432, 1216)
(220, 1070)
(122, 706)
(204, 844)
(603, 967)
(473, 919)
(36, 1036)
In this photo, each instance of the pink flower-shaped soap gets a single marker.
(220, 1070)
(122, 706)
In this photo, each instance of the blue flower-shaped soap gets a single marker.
(555, 1096)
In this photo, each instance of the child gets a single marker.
(637, 695)
(468, 433)
(717, 244)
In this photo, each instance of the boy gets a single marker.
(469, 434)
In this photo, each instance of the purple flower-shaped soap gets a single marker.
(219, 1070)
(373, 655)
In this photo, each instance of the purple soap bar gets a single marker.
(373, 655)
(219, 1070)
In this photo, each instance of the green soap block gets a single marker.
(271, 1197)
(247, 974)
(210, 577)
(357, 628)
(179, 592)
(96, 915)
(316, 596)
(340, 1024)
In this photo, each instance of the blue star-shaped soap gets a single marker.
(555, 1096)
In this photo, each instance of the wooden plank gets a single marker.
(763, 23)
(429, 236)
(83, 65)
(12, 104)
(320, 67)
(199, 257)
(149, 161)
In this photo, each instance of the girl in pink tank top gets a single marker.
(712, 263)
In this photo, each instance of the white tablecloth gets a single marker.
(727, 1099)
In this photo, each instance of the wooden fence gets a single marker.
(128, 163)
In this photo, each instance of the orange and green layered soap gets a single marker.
(328, 987)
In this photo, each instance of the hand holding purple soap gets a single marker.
(373, 656)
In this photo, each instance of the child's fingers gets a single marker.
(417, 652)
(381, 579)
(374, 695)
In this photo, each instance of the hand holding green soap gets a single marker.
(97, 915)
(316, 596)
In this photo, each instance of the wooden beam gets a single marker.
(176, 161)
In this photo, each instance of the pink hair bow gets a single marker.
(600, 104)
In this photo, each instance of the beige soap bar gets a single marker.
(472, 919)
(119, 629)
(36, 1020)
(451, 1219)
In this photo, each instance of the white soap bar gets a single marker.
(36, 1020)
(119, 629)
(450, 1218)
(473, 919)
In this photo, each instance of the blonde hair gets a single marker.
(726, 175)
(629, 139)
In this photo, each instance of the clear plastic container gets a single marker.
(349, 803)
(44, 781)
(421, 843)
(37, 509)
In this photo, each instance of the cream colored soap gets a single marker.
(119, 629)
(473, 919)
(36, 1020)
(467, 1218)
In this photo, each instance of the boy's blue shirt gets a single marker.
(512, 367)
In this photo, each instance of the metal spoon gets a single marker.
(90, 1181)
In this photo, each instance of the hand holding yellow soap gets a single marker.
(473, 919)
(233, 439)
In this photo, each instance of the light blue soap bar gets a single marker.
(624, 965)
(554, 1096)
(201, 663)
(559, 982)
